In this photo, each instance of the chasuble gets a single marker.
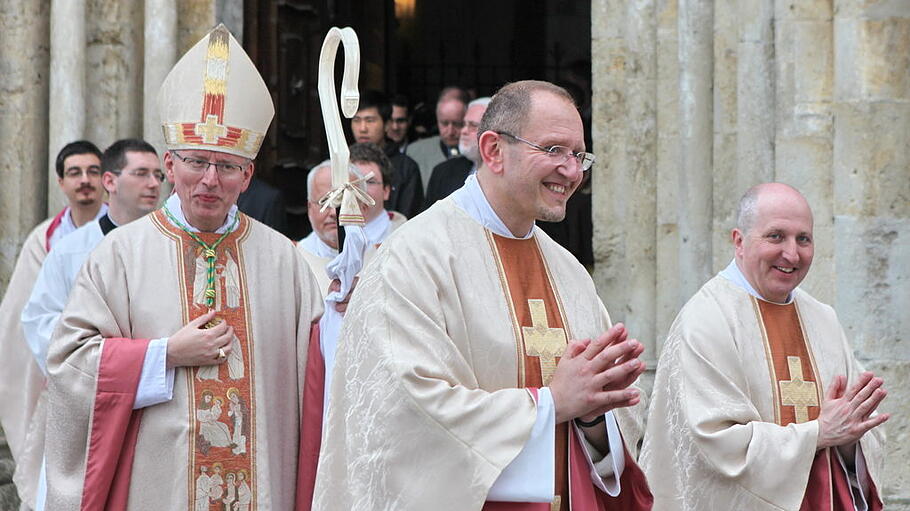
(447, 344)
(737, 391)
(230, 434)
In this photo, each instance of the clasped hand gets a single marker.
(593, 376)
(847, 416)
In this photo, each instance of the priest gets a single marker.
(321, 246)
(179, 352)
(477, 367)
(78, 167)
(758, 400)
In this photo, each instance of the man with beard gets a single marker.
(477, 367)
(450, 175)
(78, 167)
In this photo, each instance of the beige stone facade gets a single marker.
(696, 100)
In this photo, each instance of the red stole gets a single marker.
(53, 227)
(797, 399)
(115, 425)
(310, 422)
(542, 332)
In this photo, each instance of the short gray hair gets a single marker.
(311, 176)
(480, 102)
(747, 211)
(509, 109)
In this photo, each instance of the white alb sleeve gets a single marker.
(156, 383)
(530, 476)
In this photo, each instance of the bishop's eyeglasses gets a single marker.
(224, 170)
(559, 154)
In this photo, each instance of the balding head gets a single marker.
(747, 211)
(773, 239)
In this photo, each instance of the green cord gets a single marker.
(209, 251)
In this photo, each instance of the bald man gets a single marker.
(759, 402)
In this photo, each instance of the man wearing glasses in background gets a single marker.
(477, 366)
(132, 176)
(78, 167)
(191, 308)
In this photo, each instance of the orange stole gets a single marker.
(222, 408)
(539, 324)
(797, 399)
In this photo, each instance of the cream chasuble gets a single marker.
(21, 380)
(428, 400)
(737, 391)
(230, 434)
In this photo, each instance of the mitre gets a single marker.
(215, 99)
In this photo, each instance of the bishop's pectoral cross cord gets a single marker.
(208, 251)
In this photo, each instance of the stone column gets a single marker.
(113, 65)
(804, 67)
(24, 30)
(624, 179)
(695, 201)
(66, 105)
(195, 19)
(160, 56)
(669, 297)
(872, 207)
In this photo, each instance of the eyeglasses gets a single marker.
(559, 154)
(145, 174)
(73, 172)
(224, 170)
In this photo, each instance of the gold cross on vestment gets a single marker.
(541, 341)
(210, 130)
(798, 393)
(556, 504)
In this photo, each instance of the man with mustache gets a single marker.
(78, 167)
(192, 300)
(759, 402)
(132, 176)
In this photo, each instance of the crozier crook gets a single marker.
(344, 194)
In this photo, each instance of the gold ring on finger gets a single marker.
(221, 355)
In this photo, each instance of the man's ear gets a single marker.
(738, 239)
(169, 167)
(491, 147)
(386, 191)
(109, 182)
(249, 176)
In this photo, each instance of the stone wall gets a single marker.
(696, 100)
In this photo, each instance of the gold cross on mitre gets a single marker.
(210, 130)
(542, 341)
(798, 393)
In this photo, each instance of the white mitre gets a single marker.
(215, 99)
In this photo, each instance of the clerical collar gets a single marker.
(735, 275)
(472, 200)
(107, 225)
(377, 228)
(173, 205)
(313, 244)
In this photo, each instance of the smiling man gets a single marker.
(758, 400)
(477, 368)
(182, 311)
